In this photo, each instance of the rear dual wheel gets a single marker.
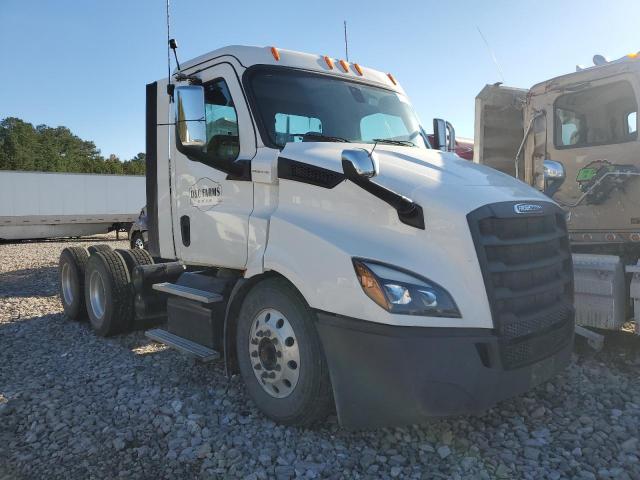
(134, 257)
(96, 283)
(71, 272)
(99, 247)
(108, 293)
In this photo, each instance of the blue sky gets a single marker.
(84, 63)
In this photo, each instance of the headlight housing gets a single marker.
(403, 292)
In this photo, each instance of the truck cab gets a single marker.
(575, 137)
(302, 226)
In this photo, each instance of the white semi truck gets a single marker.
(301, 226)
(48, 205)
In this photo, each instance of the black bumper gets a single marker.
(387, 376)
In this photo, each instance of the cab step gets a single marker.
(193, 349)
(189, 293)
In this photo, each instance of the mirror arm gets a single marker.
(452, 137)
(192, 79)
(409, 212)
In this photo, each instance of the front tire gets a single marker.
(280, 355)
(108, 293)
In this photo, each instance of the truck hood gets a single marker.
(422, 174)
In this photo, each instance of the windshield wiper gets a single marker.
(319, 137)
(390, 141)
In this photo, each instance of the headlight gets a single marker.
(399, 291)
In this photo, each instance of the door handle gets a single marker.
(185, 230)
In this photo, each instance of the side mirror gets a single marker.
(439, 134)
(444, 135)
(190, 116)
(553, 176)
(553, 170)
(358, 162)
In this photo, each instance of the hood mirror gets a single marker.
(190, 116)
(358, 162)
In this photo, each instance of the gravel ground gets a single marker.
(75, 406)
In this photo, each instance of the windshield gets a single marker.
(296, 106)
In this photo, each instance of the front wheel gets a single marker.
(280, 355)
(137, 241)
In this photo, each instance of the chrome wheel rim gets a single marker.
(139, 243)
(97, 295)
(67, 284)
(274, 352)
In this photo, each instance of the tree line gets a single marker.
(56, 149)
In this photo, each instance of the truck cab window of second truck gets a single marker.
(600, 115)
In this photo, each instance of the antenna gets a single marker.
(168, 47)
(173, 45)
(375, 144)
(493, 56)
(346, 42)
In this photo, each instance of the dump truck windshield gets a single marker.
(297, 106)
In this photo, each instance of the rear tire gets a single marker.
(293, 363)
(108, 294)
(134, 257)
(73, 261)
(100, 247)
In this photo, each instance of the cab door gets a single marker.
(211, 207)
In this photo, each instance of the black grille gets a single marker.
(526, 265)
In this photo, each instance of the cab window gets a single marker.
(292, 128)
(571, 127)
(631, 123)
(600, 115)
(223, 142)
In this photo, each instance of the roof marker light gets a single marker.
(275, 53)
(393, 80)
(345, 66)
(358, 69)
(329, 62)
(634, 55)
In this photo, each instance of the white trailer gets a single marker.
(48, 205)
